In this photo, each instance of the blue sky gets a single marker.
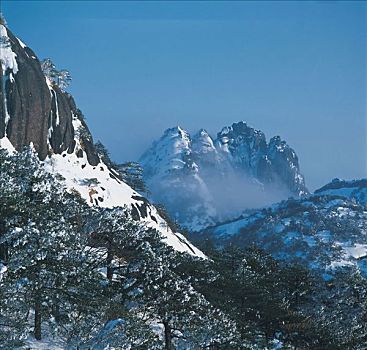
(294, 69)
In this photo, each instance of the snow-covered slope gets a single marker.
(202, 180)
(35, 112)
(324, 231)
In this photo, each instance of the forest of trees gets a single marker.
(94, 278)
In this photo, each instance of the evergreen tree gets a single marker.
(50, 269)
(61, 78)
(140, 269)
(104, 154)
(132, 174)
(49, 69)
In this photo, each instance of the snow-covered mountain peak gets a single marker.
(239, 129)
(276, 143)
(201, 134)
(171, 152)
(175, 131)
(202, 142)
(240, 133)
(235, 171)
(173, 141)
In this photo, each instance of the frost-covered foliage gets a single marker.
(132, 174)
(103, 154)
(92, 277)
(152, 288)
(61, 78)
(4, 42)
(274, 303)
(8, 57)
(325, 234)
(44, 247)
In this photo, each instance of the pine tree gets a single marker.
(104, 154)
(49, 69)
(61, 78)
(50, 269)
(132, 174)
(140, 269)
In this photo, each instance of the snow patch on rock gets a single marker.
(7, 56)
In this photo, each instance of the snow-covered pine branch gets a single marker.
(61, 78)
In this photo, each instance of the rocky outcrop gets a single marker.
(274, 164)
(33, 110)
(245, 147)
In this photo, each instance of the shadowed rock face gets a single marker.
(39, 114)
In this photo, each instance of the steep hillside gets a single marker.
(35, 111)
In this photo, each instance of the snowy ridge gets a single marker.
(324, 231)
(354, 189)
(6, 144)
(170, 170)
(9, 67)
(169, 152)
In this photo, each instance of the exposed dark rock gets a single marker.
(135, 212)
(28, 102)
(79, 153)
(143, 210)
(39, 114)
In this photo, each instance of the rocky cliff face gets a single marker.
(275, 164)
(202, 180)
(34, 111)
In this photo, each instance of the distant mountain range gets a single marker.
(203, 180)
